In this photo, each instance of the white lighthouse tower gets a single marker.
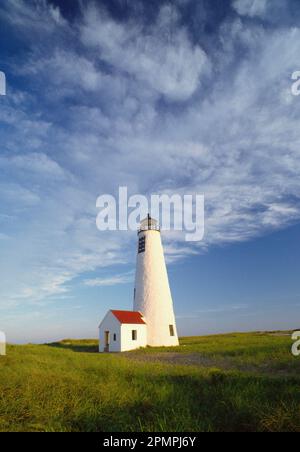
(152, 321)
(152, 295)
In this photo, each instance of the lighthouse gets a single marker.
(152, 294)
(152, 321)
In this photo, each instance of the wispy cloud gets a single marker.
(38, 163)
(171, 66)
(124, 278)
(129, 103)
(228, 308)
(39, 15)
(251, 8)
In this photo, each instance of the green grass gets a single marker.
(247, 382)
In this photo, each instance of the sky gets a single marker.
(184, 97)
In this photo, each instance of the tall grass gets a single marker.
(67, 387)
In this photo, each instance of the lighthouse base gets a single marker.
(162, 335)
(174, 343)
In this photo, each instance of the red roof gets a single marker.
(128, 316)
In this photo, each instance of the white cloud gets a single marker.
(17, 196)
(38, 163)
(237, 142)
(172, 66)
(66, 69)
(277, 215)
(36, 16)
(124, 278)
(251, 8)
(215, 310)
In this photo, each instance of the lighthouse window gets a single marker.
(171, 328)
(142, 243)
(134, 335)
(115, 337)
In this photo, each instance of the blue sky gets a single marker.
(189, 97)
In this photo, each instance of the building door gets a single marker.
(106, 341)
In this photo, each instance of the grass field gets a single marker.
(235, 382)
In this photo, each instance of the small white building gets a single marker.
(121, 331)
(152, 321)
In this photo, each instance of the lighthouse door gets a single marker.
(106, 341)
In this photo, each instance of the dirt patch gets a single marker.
(190, 359)
(196, 359)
